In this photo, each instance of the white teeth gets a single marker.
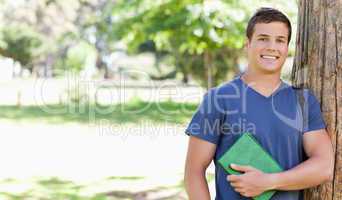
(269, 57)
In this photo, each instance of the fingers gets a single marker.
(242, 168)
(241, 190)
(236, 185)
(233, 178)
(235, 182)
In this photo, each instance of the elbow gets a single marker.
(186, 178)
(192, 173)
(329, 177)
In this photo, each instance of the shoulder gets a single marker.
(306, 92)
(220, 96)
(227, 88)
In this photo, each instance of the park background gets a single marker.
(96, 94)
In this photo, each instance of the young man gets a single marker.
(259, 102)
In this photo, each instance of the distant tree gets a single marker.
(20, 43)
(61, 26)
(48, 20)
(204, 39)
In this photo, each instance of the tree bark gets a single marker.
(318, 66)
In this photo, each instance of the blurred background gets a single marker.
(96, 94)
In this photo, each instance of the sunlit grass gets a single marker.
(134, 111)
(54, 188)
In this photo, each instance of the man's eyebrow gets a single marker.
(265, 35)
(280, 36)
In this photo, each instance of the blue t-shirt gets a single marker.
(275, 121)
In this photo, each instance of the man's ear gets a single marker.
(246, 44)
(247, 41)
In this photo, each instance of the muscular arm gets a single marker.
(200, 154)
(317, 169)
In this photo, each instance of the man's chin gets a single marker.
(270, 70)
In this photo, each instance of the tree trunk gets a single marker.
(318, 66)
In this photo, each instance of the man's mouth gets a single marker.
(269, 57)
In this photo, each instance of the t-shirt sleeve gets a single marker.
(205, 123)
(315, 119)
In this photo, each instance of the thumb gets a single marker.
(242, 168)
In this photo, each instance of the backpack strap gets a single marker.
(303, 107)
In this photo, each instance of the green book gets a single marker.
(247, 151)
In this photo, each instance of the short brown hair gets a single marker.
(267, 15)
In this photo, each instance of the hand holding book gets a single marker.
(248, 152)
(252, 182)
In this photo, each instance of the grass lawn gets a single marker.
(134, 111)
(54, 188)
(111, 188)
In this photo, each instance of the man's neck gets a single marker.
(265, 84)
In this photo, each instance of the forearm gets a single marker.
(310, 173)
(197, 186)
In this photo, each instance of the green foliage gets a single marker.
(20, 43)
(189, 30)
(78, 56)
(186, 30)
(183, 29)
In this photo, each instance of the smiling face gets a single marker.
(268, 47)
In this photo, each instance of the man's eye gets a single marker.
(281, 41)
(262, 39)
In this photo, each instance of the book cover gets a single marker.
(247, 151)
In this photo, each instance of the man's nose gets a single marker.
(272, 45)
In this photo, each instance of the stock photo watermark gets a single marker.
(143, 129)
(95, 98)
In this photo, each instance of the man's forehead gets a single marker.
(277, 29)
